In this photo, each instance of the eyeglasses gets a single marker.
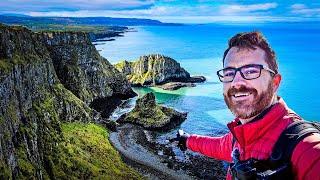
(248, 72)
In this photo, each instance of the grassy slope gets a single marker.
(86, 152)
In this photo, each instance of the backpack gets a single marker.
(278, 166)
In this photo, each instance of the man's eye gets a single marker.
(228, 74)
(251, 71)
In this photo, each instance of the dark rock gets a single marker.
(155, 70)
(197, 79)
(111, 125)
(176, 85)
(105, 105)
(152, 116)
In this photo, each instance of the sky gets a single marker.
(179, 11)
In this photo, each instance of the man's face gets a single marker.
(248, 98)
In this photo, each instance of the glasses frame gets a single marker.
(242, 75)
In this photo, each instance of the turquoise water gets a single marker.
(199, 49)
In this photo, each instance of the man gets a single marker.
(250, 80)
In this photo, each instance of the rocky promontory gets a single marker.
(157, 70)
(151, 116)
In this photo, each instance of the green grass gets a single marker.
(6, 65)
(87, 153)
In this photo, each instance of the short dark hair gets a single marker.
(251, 40)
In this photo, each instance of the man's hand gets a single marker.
(182, 139)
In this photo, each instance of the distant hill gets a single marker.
(28, 20)
(14, 14)
(96, 27)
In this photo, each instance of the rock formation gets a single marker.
(152, 116)
(155, 70)
(44, 81)
(84, 72)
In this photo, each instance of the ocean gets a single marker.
(199, 49)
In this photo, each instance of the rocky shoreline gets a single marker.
(141, 150)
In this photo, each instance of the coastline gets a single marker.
(125, 141)
(139, 149)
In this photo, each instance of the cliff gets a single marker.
(85, 73)
(155, 70)
(45, 83)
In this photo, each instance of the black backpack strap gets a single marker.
(290, 137)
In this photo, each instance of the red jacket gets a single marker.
(256, 140)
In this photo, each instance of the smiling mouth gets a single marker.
(242, 94)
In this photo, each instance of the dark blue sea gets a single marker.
(199, 49)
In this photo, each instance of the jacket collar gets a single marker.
(248, 133)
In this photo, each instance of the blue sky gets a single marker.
(192, 11)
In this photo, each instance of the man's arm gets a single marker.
(215, 147)
(306, 158)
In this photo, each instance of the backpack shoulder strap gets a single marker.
(290, 137)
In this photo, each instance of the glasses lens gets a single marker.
(226, 75)
(251, 72)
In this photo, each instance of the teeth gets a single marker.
(241, 94)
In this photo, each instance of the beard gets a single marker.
(245, 110)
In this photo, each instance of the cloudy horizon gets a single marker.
(179, 11)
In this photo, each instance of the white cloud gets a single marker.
(193, 14)
(236, 9)
(36, 5)
(301, 9)
(298, 6)
(153, 11)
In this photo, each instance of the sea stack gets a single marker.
(151, 116)
(157, 70)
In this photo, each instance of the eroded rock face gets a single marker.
(34, 101)
(82, 70)
(152, 116)
(155, 70)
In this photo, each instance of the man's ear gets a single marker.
(276, 80)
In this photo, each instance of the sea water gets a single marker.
(199, 49)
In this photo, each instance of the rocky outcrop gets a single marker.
(176, 85)
(34, 101)
(84, 72)
(155, 70)
(152, 116)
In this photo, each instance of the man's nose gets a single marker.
(238, 80)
